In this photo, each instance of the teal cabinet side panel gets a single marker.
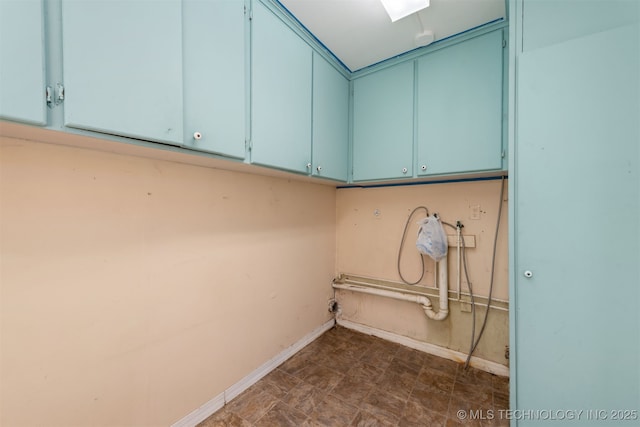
(123, 68)
(22, 67)
(214, 76)
(330, 143)
(459, 107)
(281, 68)
(577, 226)
(383, 124)
(546, 22)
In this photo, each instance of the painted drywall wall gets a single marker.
(134, 290)
(370, 223)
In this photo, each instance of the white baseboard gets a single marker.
(215, 404)
(278, 360)
(202, 413)
(436, 350)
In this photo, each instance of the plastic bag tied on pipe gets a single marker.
(432, 239)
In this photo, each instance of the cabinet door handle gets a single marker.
(319, 169)
(308, 165)
(423, 167)
(405, 170)
(197, 136)
(528, 274)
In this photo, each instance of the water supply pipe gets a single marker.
(458, 266)
(423, 300)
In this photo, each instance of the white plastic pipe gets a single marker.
(443, 286)
(420, 299)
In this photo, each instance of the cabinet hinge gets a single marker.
(504, 154)
(248, 144)
(48, 96)
(59, 93)
(54, 97)
(504, 43)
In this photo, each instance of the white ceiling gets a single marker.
(360, 33)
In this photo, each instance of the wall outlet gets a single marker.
(474, 212)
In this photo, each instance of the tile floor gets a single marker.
(345, 378)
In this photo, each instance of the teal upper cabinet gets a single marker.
(214, 76)
(383, 124)
(459, 107)
(22, 67)
(281, 85)
(123, 68)
(330, 121)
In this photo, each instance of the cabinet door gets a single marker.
(383, 124)
(280, 94)
(22, 69)
(330, 142)
(459, 108)
(123, 68)
(214, 76)
(577, 228)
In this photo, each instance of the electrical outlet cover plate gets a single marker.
(474, 212)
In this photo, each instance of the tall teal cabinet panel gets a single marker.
(123, 68)
(383, 124)
(214, 76)
(330, 140)
(281, 86)
(459, 107)
(576, 228)
(22, 61)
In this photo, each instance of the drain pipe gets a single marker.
(420, 299)
(443, 287)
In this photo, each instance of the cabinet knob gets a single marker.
(197, 136)
(308, 165)
(319, 169)
(528, 274)
(423, 167)
(405, 170)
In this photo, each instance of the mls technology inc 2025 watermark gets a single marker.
(549, 414)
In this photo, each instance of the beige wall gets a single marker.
(370, 223)
(134, 290)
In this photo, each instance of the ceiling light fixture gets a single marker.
(398, 9)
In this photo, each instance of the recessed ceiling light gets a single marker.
(398, 9)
